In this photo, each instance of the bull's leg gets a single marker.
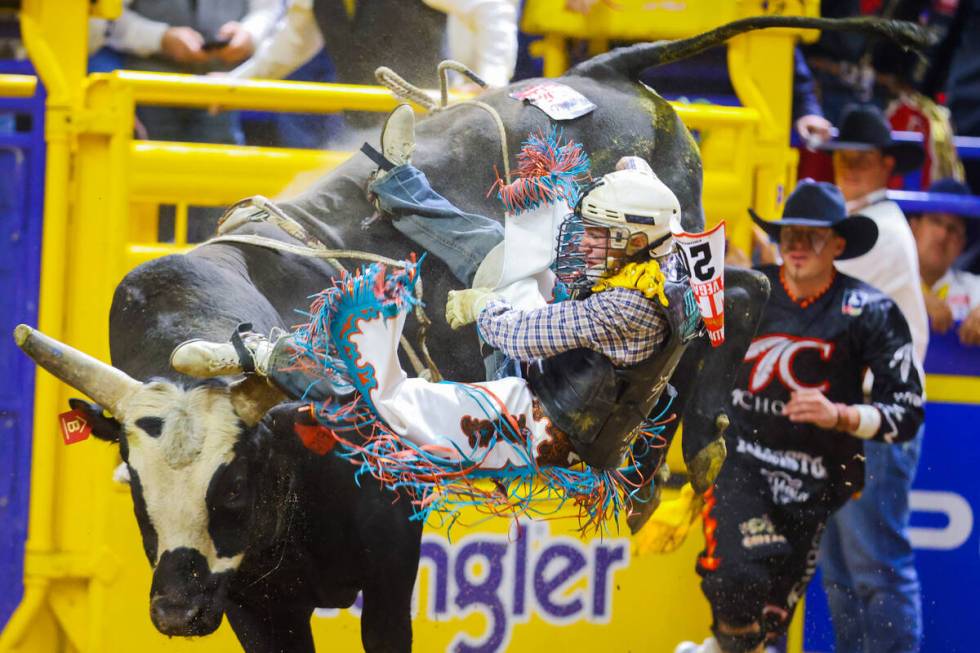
(703, 407)
(271, 629)
(392, 544)
(386, 619)
(703, 380)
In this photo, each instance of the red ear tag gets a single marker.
(315, 438)
(74, 426)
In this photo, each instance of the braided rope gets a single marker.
(403, 89)
(408, 91)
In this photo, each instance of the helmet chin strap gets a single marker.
(658, 242)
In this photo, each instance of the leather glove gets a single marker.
(462, 306)
(670, 523)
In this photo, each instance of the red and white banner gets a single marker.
(705, 254)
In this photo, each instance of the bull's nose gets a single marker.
(175, 615)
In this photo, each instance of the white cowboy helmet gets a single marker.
(627, 202)
(633, 201)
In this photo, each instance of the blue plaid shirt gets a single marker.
(620, 323)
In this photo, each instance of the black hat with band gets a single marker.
(820, 204)
(864, 127)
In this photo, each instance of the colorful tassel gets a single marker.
(547, 172)
(440, 482)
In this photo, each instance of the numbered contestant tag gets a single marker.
(705, 254)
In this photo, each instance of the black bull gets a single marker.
(289, 530)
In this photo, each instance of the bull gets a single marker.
(236, 517)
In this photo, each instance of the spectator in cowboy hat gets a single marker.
(866, 556)
(865, 154)
(952, 296)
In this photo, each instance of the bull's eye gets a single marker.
(235, 490)
(152, 426)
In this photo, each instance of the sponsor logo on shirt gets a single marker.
(853, 302)
(759, 531)
(747, 401)
(910, 398)
(793, 461)
(902, 359)
(785, 489)
(774, 356)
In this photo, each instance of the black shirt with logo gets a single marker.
(829, 345)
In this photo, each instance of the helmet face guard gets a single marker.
(602, 234)
(570, 257)
(588, 251)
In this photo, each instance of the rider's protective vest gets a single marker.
(598, 405)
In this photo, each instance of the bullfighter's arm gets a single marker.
(897, 390)
(620, 323)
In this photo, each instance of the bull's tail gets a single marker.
(630, 61)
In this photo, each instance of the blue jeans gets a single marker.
(867, 562)
(459, 239)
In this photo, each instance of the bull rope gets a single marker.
(405, 90)
(423, 365)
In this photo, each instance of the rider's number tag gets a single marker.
(705, 254)
(559, 101)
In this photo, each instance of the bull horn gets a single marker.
(107, 385)
(252, 397)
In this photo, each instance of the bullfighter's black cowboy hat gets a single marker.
(820, 204)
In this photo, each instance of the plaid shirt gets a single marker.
(620, 323)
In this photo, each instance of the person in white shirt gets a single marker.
(481, 34)
(866, 557)
(190, 37)
(952, 296)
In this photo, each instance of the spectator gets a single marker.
(857, 67)
(194, 37)
(961, 48)
(866, 557)
(952, 296)
(808, 118)
(482, 34)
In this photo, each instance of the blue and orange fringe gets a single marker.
(547, 171)
(438, 481)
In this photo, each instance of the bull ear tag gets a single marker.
(74, 426)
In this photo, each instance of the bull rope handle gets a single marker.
(405, 90)
(314, 248)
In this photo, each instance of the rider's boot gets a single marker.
(272, 357)
(246, 352)
(397, 140)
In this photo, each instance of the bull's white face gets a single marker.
(188, 457)
(178, 441)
